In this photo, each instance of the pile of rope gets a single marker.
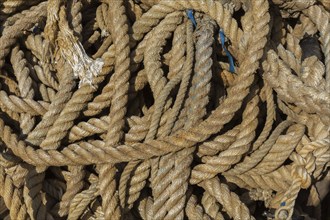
(164, 109)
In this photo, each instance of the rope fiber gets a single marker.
(164, 109)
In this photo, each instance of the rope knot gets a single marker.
(303, 168)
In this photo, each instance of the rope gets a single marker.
(118, 108)
(157, 109)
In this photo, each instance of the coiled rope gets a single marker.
(158, 109)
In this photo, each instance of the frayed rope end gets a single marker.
(84, 67)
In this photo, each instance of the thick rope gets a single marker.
(132, 110)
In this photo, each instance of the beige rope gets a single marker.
(194, 210)
(128, 110)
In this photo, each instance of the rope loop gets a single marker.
(164, 109)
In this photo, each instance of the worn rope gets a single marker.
(157, 109)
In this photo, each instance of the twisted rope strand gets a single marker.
(157, 127)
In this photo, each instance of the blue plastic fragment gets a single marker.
(190, 14)
(231, 60)
(283, 203)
